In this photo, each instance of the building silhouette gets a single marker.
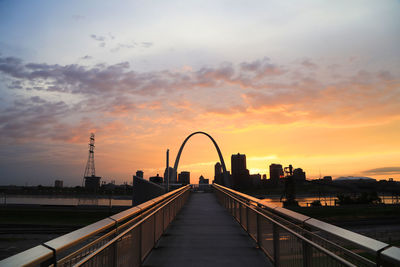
(58, 183)
(92, 183)
(218, 175)
(139, 173)
(184, 178)
(156, 179)
(172, 177)
(275, 173)
(202, 180)
(299, 175)
(255, 180)
(240, 174)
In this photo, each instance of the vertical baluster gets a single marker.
(276, 242)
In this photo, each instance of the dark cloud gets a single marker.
(100, 39)
(384, 170)
(12, 66)
(309, 64)
(87, 57)
(147, 44)
(261, 85)
(262, 68)
(30, 118)
(121, 46)
(385, 75)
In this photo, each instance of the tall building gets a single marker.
(238, 163)
(218, 176)
(172, 177)
(299, 175)
(139, 173)
(240, 175)
(255, 180)
(184, 178)
(275, 173)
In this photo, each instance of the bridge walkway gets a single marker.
(205, 234)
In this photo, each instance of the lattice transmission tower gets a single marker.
(90, 170)
(91, 182)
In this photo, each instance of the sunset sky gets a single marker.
(315, 84)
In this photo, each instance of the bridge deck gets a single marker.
(205, 234)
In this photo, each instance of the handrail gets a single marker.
(292, 228)
(129, 229)
(378, 248)
(51, 249)
(320, 248)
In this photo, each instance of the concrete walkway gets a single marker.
(205, 234)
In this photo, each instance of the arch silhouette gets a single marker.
(221, 158)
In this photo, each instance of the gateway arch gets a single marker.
(221, 158)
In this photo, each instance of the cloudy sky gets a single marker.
(315, 84)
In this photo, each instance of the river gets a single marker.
(304, 201)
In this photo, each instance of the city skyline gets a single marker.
(315, 85)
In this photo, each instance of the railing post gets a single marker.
(247, 219)
(275, 234)
(259, 232)
(155, 229)
(115, 250)
(240, 213)
(163, 219)
(140, 243)
(307, 251)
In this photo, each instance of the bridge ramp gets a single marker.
(205, 234)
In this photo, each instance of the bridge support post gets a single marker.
(154, 229)
(140, 227)
(307, 251)
(259, 231)
(240, 214)
(275, 234)
(247, 219)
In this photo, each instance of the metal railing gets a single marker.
(292, 239)
(123, 239)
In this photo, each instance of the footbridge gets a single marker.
(209, 226)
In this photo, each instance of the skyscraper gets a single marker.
(275, 173)
(172, 177)
(240, 175)
(139, 173)
(299, 175)
(184, 178)
(218, 176)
